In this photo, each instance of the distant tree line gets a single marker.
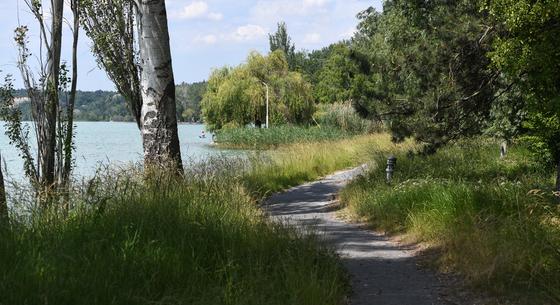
(110, 105)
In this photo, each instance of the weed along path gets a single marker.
(381, 271)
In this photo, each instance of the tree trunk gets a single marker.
(158, 118)
(69, 139)
(3, 201)
(47, 140)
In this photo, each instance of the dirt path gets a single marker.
(382, 272)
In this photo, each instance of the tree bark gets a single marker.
(3, 201)
(68, 140)
(47, 140)
(158, 116)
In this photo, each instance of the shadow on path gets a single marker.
(382, 272)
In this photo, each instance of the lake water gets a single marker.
(114, 143)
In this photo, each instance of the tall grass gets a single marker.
(297, 163)
(197, 239)
(334, 122)
(493, 220)
(266, 138)
(344, 117)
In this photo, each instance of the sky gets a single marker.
(205, 34)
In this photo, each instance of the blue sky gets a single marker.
(207, 33)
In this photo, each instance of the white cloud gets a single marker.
(312, 38)
(206, 39)
(248, 32)
(215, 16)
(197, 9)
(283, 9)
(314, 3)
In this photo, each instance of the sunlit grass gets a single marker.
(493, 220)
(293, 164)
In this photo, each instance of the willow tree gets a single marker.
(131, 43)
(237, 96)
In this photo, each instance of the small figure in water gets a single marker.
(202, 135)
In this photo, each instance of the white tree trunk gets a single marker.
(158, 119)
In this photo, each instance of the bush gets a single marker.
(344, 117)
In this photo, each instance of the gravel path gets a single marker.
(382, 272)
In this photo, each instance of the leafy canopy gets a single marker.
(423, 69)
(237, 96)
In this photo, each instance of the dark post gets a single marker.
(391, 163)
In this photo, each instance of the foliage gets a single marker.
(344, 117)
(282, 41)
(336, 76)
(110, 26)
(526, 51)
(16, 130)
(110, 106)
(189, 97)
(492, 219)
(424, 70)
(266, 138)
(199, 239)
(237, 96)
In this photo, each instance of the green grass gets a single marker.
(262, 138)
(493, 220)
(294, 164)
(164, 240)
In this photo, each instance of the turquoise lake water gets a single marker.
(113, 143)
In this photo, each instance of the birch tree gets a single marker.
(140, 66)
